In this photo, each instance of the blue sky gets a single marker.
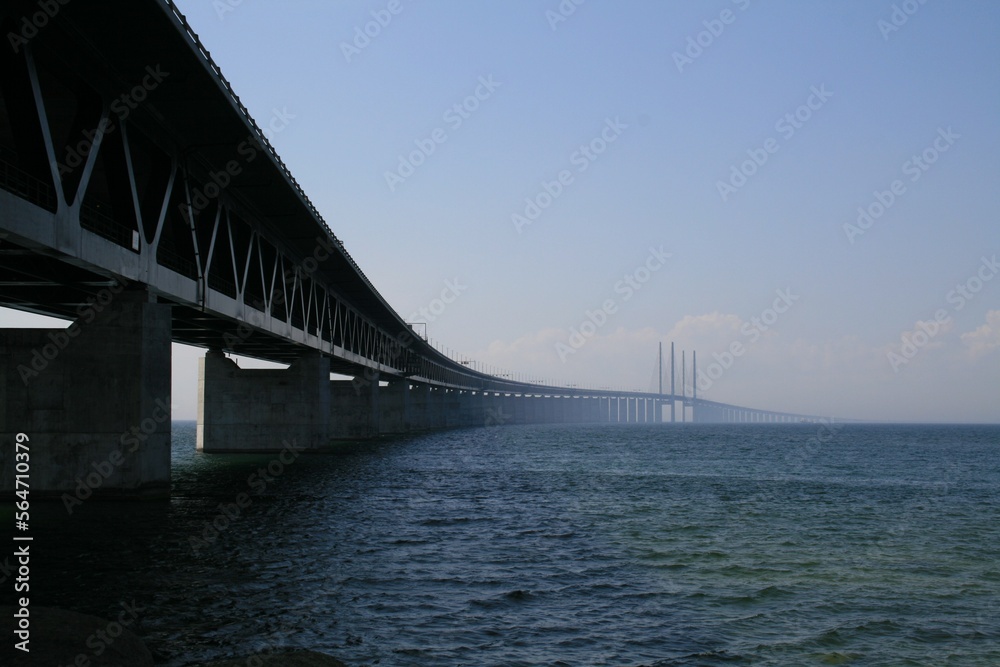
(888, 92)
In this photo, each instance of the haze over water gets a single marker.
(574, 545)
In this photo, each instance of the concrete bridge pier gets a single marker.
(552, 410)
(503, 410)
(515, 407)
(428, 407)
(419, 406)
(93, 401)
(354, 410)
(475, 409)
(460, 408)
(538, 404)
(523, 408)
(526, 405)
(260, 410)
(438, 412)
(395, 404)
(494, 410)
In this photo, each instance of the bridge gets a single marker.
(140, 201)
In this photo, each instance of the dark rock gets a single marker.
(290, 659)
(58, 637)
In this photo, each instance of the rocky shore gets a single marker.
(60, 638)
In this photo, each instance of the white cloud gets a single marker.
(985, 338)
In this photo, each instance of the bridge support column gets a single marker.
(394, 402)
(495, 411)
(536, 409)
(461, 409)
(428, 407)
(436, 407)
(516, 405)
(419, 406)
(475, 410)
(451, 408)
(259, 410)
(94, 402)
(552, 409)
(506, 408)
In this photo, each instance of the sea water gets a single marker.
(624, 545)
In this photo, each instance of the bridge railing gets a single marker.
(26, 186)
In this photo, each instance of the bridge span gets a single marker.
(140, 201)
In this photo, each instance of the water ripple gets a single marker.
(562, 545)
